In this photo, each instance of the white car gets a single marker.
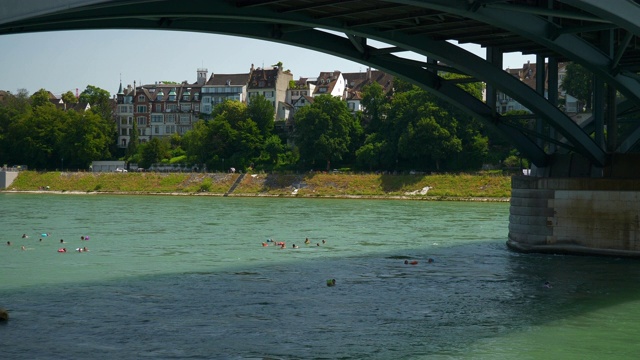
(121, 170)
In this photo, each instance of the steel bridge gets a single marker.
(603, 36)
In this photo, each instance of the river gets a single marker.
(175, 277)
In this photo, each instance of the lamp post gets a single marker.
(62, 164)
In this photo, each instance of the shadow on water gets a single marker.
(379, 308)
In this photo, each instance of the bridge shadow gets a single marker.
(379, 308)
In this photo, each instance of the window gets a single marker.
(141, 98)
(124, 142)
(170, 129)
(184, 119)
(185, 107)
(157, 118)
(171, 107)
(156, 129)
(123, 121)
(142, 108)
(196, 107)
(123, 132)
(142, 120)
(171, 118)
(158, 107)
(130, 120)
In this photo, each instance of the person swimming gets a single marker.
(412, 262)
(24, 236)
(295, 246)
(307, 241)
(61, 250)
(331, 282)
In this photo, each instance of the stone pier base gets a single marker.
(575, 216)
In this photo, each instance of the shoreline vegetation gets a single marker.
(482, 186)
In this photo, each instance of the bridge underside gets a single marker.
(412, 39)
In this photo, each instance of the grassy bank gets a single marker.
(449, 186)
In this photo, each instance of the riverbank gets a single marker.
(450, 187)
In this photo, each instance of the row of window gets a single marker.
(168, 129)
(225, 89)
(169, 118)
(158, 108)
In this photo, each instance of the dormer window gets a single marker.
(160, 96)
(141, 98)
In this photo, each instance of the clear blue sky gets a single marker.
(66, 60)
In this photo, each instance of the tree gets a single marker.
(323, 129)
(40, 98)
(261, 111)
(375, 105)
(99, 99)
(69, 98)
(134, 141)
(85, 137)
(153, 151)
(579, 83)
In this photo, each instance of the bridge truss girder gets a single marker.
(256, 19)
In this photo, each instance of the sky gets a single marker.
(68, 60)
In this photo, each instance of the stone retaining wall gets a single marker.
(575, 215)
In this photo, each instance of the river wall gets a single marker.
(575, 215)
(6, 178)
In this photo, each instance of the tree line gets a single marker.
(407, 130)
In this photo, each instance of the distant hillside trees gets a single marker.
(38, 134)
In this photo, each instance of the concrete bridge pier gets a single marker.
(577, 215)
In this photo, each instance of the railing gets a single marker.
(14, 168)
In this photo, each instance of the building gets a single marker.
(222, 87)
(158, 110)
(527, 74)
(356, 82)
(330, 83)
(272, 84)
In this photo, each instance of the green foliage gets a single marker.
(40, 98)
(153, 152)
(261, 111)
(99, 99)
(323, 130)
(69, 98)
(578, 82)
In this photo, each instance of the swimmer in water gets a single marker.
(307, 241)
(265, 244)
(547, 285)
(8, 243)
(24, 236)
(61, 241)
(23, 248)
(331, 282)
(324, 241)
(295, 246)
(413, 262)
